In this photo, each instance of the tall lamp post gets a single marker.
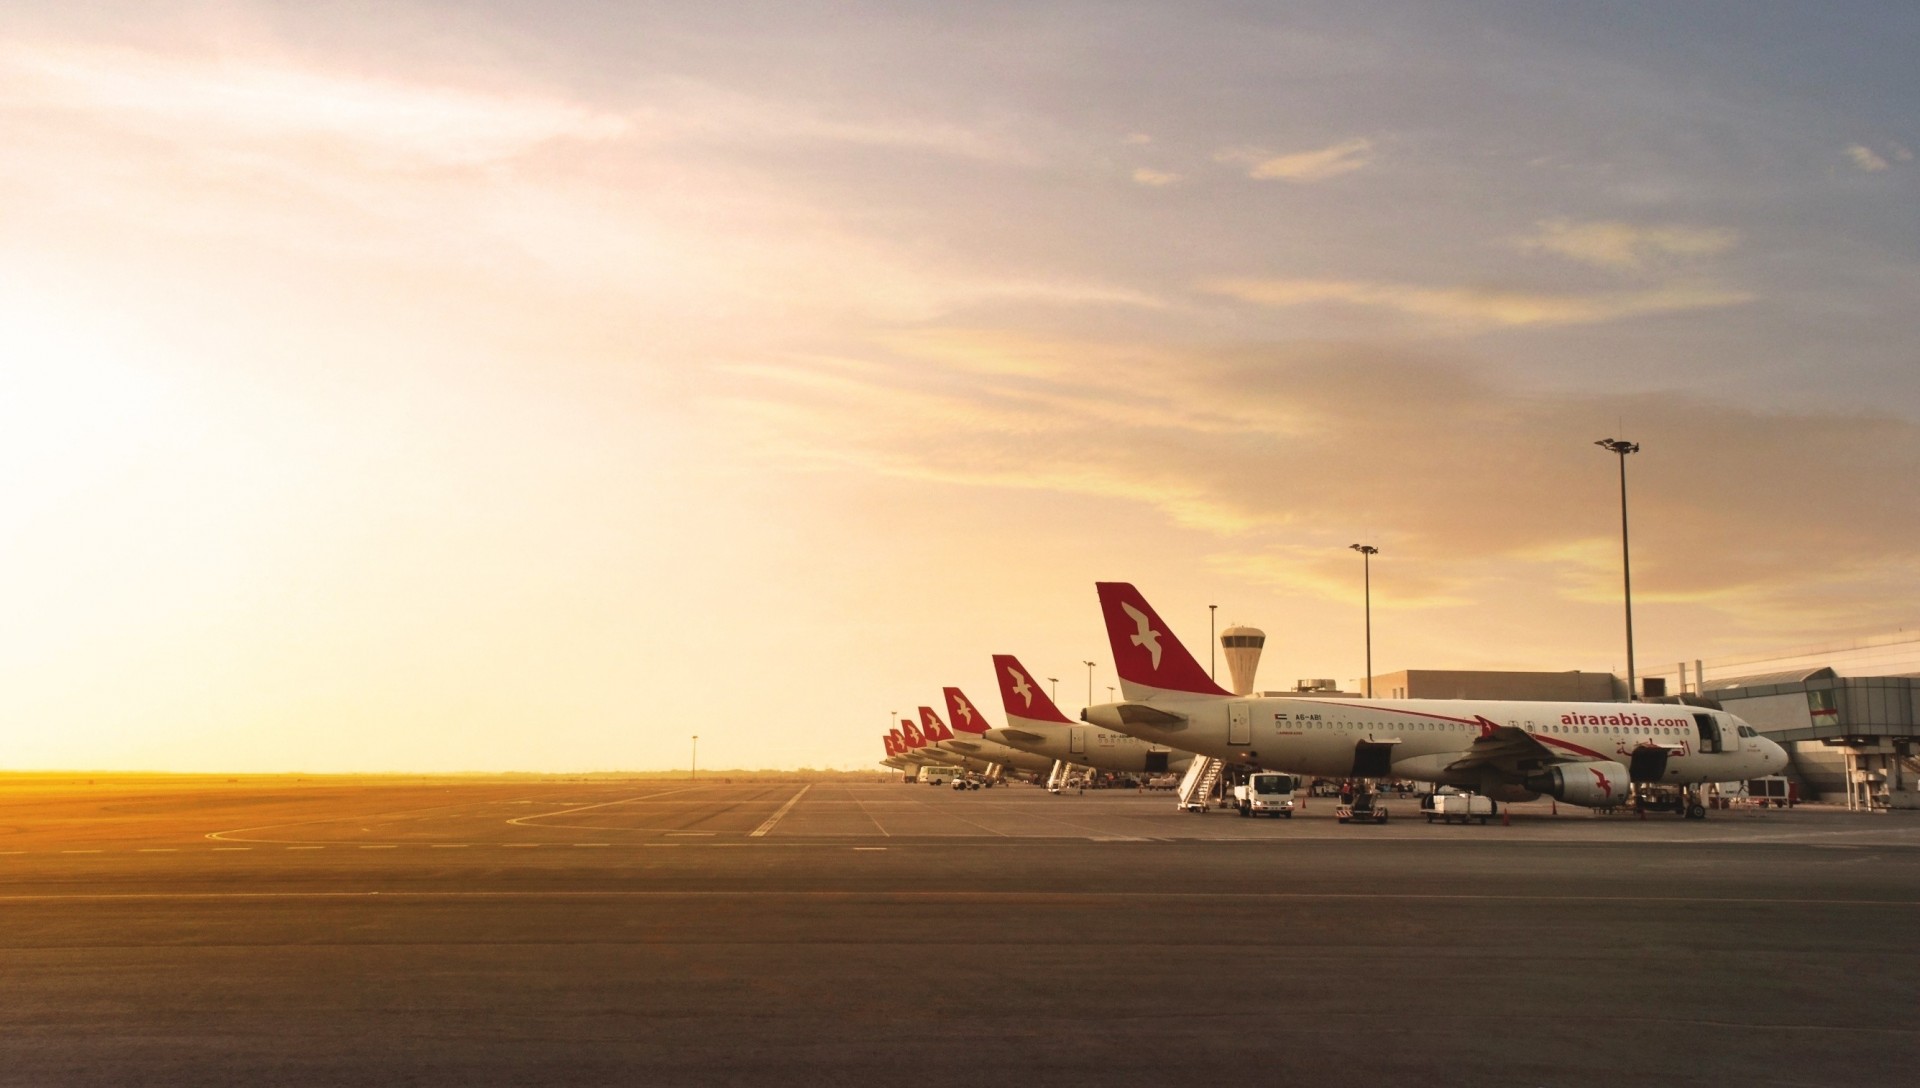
(1367, 552)
(693, 770)
(1622, 447)
(1053, 682)
(1213, 639)
(1089, 666)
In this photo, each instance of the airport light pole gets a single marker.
(1089, 666)
(693, 772)
(1213, 639)
(1054, 687)
(1367, 552)
(1622, 447)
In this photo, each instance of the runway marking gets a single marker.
(11, 853)
(219, 835)
(306, 848)
(784, 809)
(869, 848)
(218, 849)
(878, 826)
(381, 846)
(449, 845)
(1064, 899)
(522, 820)
(592, 844)
(660, 844)
(159, 850)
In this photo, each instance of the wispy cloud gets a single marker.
(1866, 158)
(1271, 450)
(1154, 179)
(1476, 307)
(205, 100)
(1301, 166)
(1617, 245)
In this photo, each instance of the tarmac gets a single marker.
(372, 932)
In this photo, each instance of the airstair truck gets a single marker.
(1266, 793)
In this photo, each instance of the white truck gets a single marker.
(1266, 794)
(936, 774)
(1452, 806)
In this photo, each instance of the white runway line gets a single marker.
(784, 809)
(306, 848)
(159, 849)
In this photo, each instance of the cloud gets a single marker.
(1900, 152)
(205, 100)
(1610, 244)
(1866, 158)
(1137, 139)
(1303, 166)
(1154, 178)
(1280, 453)
(1476, 307)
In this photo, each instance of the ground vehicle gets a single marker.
(1451, 806)
(1364, 809)
(1772, 790)
(1266, 794)
(938, 774)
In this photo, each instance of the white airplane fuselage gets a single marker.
(1435, 740)
(1092, 746)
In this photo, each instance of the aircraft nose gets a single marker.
(1776, 757)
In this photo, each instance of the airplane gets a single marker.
(927, 747)
(1036, 725)
(1581, 753)
(896, 753)
(976, 740)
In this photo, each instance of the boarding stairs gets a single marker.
(1198, 785)
(1057, 780)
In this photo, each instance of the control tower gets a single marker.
(1242, 646)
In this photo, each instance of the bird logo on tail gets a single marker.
(1020, 686)
(1144, 636)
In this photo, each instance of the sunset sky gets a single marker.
(487, 386)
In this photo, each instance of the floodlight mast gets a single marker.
(1622, 447)
(1367, 552)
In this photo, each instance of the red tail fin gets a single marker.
(901, 747)
(965, 718)
(1145, 653)
(1021, 696)
(893, 746)
(912, 733)
(932, 727)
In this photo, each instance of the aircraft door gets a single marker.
(1077, 740)
(1710, 739)
(1239, 723)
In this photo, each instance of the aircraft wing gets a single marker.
(1022, 735)
(1508, 750)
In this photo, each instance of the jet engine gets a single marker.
(1595, 785)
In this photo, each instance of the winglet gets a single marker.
(966, 717)
(1145, 653)
(1021, 695)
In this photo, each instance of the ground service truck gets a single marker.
(1266, 794)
